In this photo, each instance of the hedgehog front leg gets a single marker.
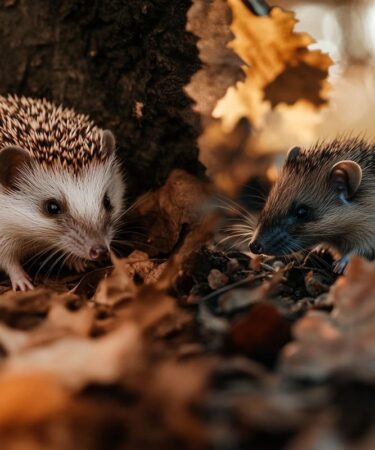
(11, 252)
(19, 278)
(10, 263)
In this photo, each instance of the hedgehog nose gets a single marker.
(256, 247)
(98, 253)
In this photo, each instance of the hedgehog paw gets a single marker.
(20, 280)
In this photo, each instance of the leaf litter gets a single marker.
(182, 343)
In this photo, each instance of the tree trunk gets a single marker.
(123, 62)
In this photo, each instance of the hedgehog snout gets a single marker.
(256, 247)
(98, 253)
(274, 241)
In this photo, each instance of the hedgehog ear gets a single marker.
(346, 177)
(12, 159)
(108, 143)
(293, 153)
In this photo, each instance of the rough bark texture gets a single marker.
(122, 62)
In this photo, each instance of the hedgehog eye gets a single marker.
(52, 207)
(107, 203)
(302, 212)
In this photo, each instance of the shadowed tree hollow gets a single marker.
(122, 62)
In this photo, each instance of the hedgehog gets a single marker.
(324, 196)
(61, 187)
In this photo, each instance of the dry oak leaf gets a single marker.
(26, 309)
(280, 69)
(148, 305)
(342, 342)
(117, 287)
(76, 361)
(178, 387)
(59, 323)
(209, 21)
(260, 333)
(165, 212)
(27, 399)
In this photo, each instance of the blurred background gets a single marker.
(346, 31)
(249, 141)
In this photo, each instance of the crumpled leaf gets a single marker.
(237, 299)
(148, 305)
(26, 310)
(60, 322)
(209, 21)
(274, 108)
(343, 341)
(261, 333)
(27, 399)
(280, 67)
(179, 398)
(118, 286)
(76, 361)
(323, 432)
(171, 210)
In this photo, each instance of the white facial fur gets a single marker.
(84, 221)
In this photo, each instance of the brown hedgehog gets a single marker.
(61, 188)
(324, 195)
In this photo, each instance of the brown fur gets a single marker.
(349, 228)
(52, 134)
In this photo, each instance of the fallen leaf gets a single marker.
(340, 342)
(261, 333)
(27, 309)
(209, 21)
(280, 69)
(77, 361)
(172, 210)
(29, 398)
(118, 286)
(59, 323)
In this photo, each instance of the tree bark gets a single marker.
(123, 62)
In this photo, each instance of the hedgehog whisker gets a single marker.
(230, 205)
(258, 195)
(130, 208)
(53, 254)
(61, 257)
(235, 237)
(65, 260)
(237, 212)
(235, 228)
(34, 258)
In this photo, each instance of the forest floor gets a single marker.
(206, 349)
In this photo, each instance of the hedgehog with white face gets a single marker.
(61, 187)
(324, 195)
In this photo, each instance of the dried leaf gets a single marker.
(261, 333)
(209, 21)
(166, 212)
(117, 287)
(27, 399)
(280, 67)
(90, 281)
(76, 361)
(25, 310)
(343, 341)
(60, 322)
